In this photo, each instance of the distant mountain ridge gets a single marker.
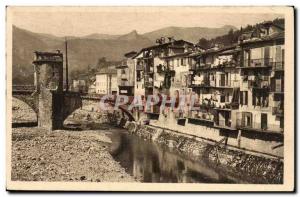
(191, 34)
(86, 50)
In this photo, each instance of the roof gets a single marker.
(223, 49)
(48, 53)
(161, 45)
(275, 36)
(270, 23)
(166, 44)
(107, 71)
(230, 51)
(130, 54)
(178, 55)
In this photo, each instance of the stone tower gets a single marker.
(48, 79)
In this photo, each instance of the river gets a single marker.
(151, 162)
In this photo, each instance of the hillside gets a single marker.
(192, 34)
(82, 51)
(85, 51)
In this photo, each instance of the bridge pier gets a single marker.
(51, 103)
(50, 110)
(48, 68)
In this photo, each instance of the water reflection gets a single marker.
(150, 162)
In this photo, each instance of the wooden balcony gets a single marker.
(224, 124)
(259, 127)
(258, 63)
(277, 111)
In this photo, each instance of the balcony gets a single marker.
(278, 66)
(258, 63)
(277, 87)
(139, 67)
(203, 119)
(277, 111)
(228, 84)
(228, 106)
(123, 76)
(203, 67)
(148, 84)
(259, 84)
(224, 124)
(125, 83)
(260, 127)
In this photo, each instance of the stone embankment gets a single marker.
(255, 169)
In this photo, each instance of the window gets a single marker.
(227, 97)
(222, 98)
(138, 76)
(244, 97)
(181, 61)
(123, 71)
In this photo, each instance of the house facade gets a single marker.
(262, 87)
(126, 75)
(238, 90)
(106, 82)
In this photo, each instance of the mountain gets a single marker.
(192, 34)
(82, 52)
(85, 51)
(102, 36)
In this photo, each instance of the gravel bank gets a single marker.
(38, 155)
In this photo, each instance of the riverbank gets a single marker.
(38, 155)
(63, 155)
(254, 169)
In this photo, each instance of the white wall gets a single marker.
(101, 84)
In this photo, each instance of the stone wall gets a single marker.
(253, 141)
(256, 169)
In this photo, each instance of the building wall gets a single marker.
(101, 84)
(139, 86)
(106, 83)
(114, 84)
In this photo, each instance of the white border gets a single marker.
(91, 2)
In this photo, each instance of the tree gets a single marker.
(204, 43)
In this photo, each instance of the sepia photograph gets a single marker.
(150, 98)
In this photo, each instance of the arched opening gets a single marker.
(89, 116)
(23, 114)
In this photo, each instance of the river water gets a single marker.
(151, 162)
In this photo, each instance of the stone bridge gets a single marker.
(63, 104)
(47, 97)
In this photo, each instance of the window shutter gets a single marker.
(241, 98)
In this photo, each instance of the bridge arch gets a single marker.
(23, 111)
(91, 106)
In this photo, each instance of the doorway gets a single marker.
(264, 121)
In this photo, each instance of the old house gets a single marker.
(106, 81)
(262, 87)
(126, 75)
(215, 81)
(139, 80)
(80, 83)
(160, 64)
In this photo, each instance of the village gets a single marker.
(238, 122)
(238, 87)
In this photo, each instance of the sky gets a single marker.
(83, 21)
